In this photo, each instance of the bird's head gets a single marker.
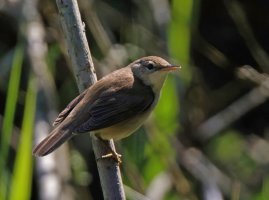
(152, 70)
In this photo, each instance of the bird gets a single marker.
(112, 108)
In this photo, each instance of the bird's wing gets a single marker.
(114, 107)
(68, 109)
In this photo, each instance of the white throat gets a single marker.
(156, 82)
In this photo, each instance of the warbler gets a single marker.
(112, 108)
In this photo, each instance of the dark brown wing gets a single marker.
(68, 109)
(114, 107)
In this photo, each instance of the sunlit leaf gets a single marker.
(22, 176)
(9, 113)
(180, 34)
(167, 109)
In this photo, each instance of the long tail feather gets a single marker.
(55, 139)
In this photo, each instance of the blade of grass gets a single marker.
(12, 95)
(22, 176)
(167, 109)
(179, 37)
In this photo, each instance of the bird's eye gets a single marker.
(150, 66)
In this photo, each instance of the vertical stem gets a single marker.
(82, 64)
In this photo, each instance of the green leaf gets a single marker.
(167, 109)
(22, 176)
(9, 113)
(179, 35)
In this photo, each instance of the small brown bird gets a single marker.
(114, 107)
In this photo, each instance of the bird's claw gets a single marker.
(114, 155)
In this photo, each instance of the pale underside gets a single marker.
(122, 129)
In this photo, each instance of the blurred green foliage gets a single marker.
(21, 184)
(9, 114)
(180, 34)
(167, 111)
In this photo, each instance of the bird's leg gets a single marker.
(113, 154)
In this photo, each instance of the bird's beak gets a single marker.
(170, 68)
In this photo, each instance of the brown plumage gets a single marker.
(112, 108)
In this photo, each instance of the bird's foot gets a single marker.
(111, 152)
(114, 155)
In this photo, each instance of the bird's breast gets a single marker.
(122, 129)
(128, 126)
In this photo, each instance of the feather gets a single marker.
(53, 141)
(114, 107)
(68, 109)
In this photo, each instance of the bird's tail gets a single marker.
(55, 139)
